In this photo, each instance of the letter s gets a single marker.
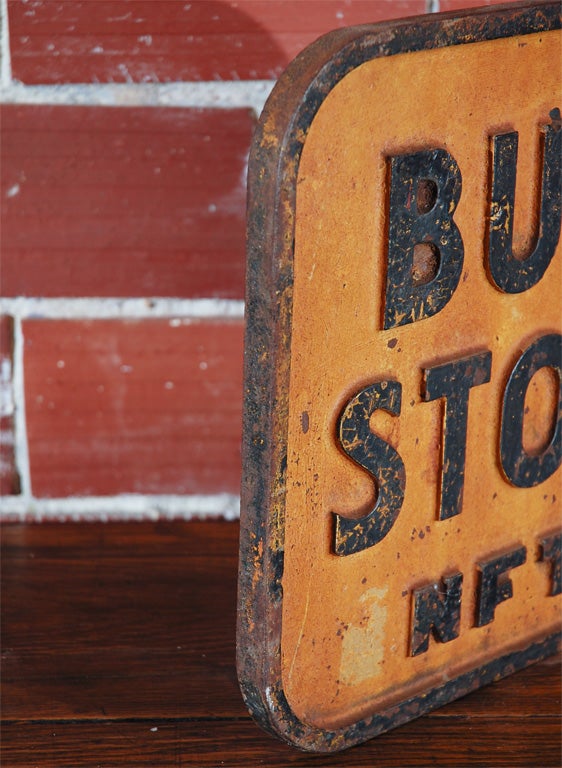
(380, 460)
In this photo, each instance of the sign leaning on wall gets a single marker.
(400, 523)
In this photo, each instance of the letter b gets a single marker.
(425, 248)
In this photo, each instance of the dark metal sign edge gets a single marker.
(272, 174)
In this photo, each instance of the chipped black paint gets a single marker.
(551, 547)
(453, 381)
(494, 587)
(424, 191)
(380, 460)
(277, 560)
(522, 469)
(437, 609)
(510, 273)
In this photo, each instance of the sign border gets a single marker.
(272, 175)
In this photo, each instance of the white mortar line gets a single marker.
(5, 56)
(122, 507)
(181, 311)
(21, 452)
(231, 95)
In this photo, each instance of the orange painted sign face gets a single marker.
(401, 527)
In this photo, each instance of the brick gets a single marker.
(123, 201)
(145, 406)
(169, 40)
(9, 480)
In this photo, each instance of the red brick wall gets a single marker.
(125, 133)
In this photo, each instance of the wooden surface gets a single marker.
(118, 649)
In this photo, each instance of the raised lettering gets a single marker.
(380, 460)
(511, 273)
(550, 552)
(494, 587)
(523, 469)
(437, 609)
(425, 248)
(452, 382)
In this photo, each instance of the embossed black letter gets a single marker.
(550, 552)
(380, 460)
(436, 607)
(425, 248)
(453, 381)
(493, 586)
(510, 273)
(522, 469)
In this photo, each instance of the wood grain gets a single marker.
(118, 650)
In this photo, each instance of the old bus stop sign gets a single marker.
(400, 533)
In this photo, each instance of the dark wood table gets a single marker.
(118, 647)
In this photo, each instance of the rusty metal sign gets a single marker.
(401, 519)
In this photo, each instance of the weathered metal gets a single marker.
(400, 521)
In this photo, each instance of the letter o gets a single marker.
(522, 469)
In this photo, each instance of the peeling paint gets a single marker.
(363, 642)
